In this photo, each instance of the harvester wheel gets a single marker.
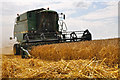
(16, 49)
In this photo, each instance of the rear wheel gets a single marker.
(16, 49)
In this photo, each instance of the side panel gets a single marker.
(23, 17)
(21, 27)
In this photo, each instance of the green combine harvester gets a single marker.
(43, 26)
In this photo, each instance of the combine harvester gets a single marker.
(40, 27)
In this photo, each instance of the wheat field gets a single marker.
(89, 59)
(80, 50)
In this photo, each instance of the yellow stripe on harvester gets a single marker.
(24, 32)
(20, 32)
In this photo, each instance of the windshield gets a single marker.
(47, 22)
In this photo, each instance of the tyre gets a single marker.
(16, 49)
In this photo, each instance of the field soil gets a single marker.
(88, 59)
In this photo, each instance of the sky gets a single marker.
(100, 17)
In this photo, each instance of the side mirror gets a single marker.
(11, 38)
(64, 16)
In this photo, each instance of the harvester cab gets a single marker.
(43, 26)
